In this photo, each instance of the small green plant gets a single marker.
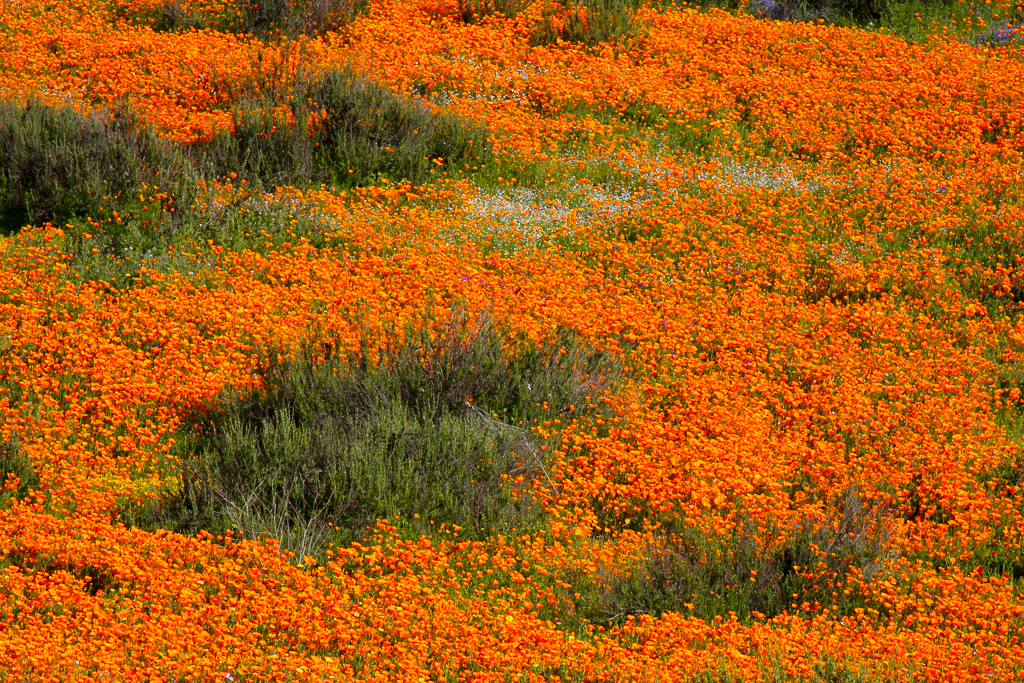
(15, 465)
(428, 426)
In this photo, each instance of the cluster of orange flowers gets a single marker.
(820, 296)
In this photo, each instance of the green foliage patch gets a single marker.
(746, 574)
(14, 465)
(249, 17)
(425, 427)
(587, 22)
(60, 164)
(340, 129)
(131, 194)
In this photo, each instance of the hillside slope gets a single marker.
(714, 321)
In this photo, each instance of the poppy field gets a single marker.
(511, 340)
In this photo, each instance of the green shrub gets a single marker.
(250, 17)
(595, 22)
(861, 11)
(434, 422)
(143, 193)
(341, 129)
(59, 164)
(588, 22)
(743, 573)
(472, 11)
(300, 17)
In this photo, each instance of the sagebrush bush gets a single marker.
(746, 573)
(144, 193)
(59, 163)
(300, 17)
(250, 17)
(587, 22)
(343, 129)
(433, 421)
